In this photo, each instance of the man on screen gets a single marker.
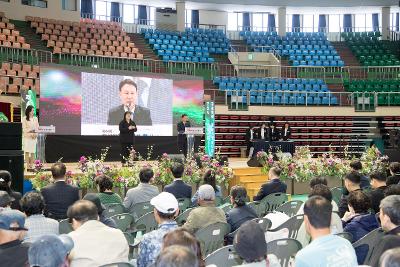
(128, 93)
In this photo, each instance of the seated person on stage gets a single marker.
(378, 184)
(389, 216)
(206, 213)
(351, 183)
(394, 168)
(273, 133)
(286, 132)
(59, 195)
(263, 132)
(178, 187)
(358, 221)
(128, 93)
(275, 185)
(144, 192)
(209, 178)
(105, 186)
(251, 134)
(325, 248)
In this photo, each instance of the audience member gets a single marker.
(351, 183)
(50, 251)
(32, 204)
(358, 221)
(275, 185)
(356, 166)
(393, 189)
(5, 185)
(12, 230)
(391, 258)
(318, 180)
(240, 213)
(320, 190)
(144, 192)
(59, 195)
(176, 256)
(250, 245)
(178, 188)
(166, 208)
(105, 186)
(5, 201)
(378, 184)
(389, 216)
(95, 244)
(206, 213)
(182, 237)
(208, 178)
(394, 169)
(94, 198)
(325, 249)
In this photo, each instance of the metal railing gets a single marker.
(372, 72)
(394, 34)
(101, 17)
(29, 56)
(206, 26)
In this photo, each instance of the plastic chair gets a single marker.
(64, 227)
(212, 237)
(113, 209)
(117, 264)
(292, 225)
(181, 219)
(284, 249)
(337, 194)
(290, 208)
(184, 204)
(264, 222)
(273, 201)
(371, 241)
(259, 207)
(146, 223)
(224, 257)
(346, 235)
(140, 209)
(123, 221)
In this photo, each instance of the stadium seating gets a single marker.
(369, 50)
(302, 49)
(386, 88)
(9, 37)
(193, 45)
(14, 77)
(87, 37)
(277, 90)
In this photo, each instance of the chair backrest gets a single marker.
(219, 201)
(284, 249)
(113, 209)
(293, 225)
(123, 221)
(264, 222)
(181, 219)
(117, 264)
(212, 236)
(139, 209)
(184, 204)
(64, 227)
(225, 207)
(259, 207)
(146, 223)
(290, 208)
(273, 201)
(346, 235)
(371, 240)
(224, 257)
(337, 194)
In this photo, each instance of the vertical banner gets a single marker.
(209, 128)
(28, 98)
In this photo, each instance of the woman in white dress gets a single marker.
(30, 127)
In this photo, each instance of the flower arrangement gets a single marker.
(223, 173)
(41, 178)
(266, 160)
(373, 160)
(162, 174)
(192, 174)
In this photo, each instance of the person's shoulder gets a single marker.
(116, 109)
(16, 195)
(143, 109)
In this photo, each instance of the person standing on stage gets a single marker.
(182, 141)
(263, 132)
(127, 129)
(30, 127)
(286, 132)
(273, 133)
(251, 134)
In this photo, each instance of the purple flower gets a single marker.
(83, 159)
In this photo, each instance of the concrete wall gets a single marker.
(15, 10)
(213, 17)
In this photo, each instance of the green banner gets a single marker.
(210, 128)
(28, 98)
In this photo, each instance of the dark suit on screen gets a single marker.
(286, 136)
(57, 198)
(273, 186)
(141, 115)
(179, 189)
(182, 141)
(126, 138)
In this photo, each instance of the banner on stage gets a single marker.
(210, 128)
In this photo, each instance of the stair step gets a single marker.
(247, 171)
(252, 178)
(30, 35)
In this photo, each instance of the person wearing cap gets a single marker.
(95, 244)
(13, 253)
(325, 249)
(178, 187)
(50, 251)
(5, 201)
(166, 208)
(94, 198)
(32, 205)
(206, 213)
(250, 245)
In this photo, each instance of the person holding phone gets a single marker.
(127, 129)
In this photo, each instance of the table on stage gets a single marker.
(285, 146)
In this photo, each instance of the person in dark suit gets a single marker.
(273, 133)
(127, 129)
(378, 184)
(128, 93)
(351, 183)
(178, 188)
(251, 134)
(59, 195)
(5, 185)
(275, 185)
(263, 132)
(182, 141)
(286, 132)
(394, 168)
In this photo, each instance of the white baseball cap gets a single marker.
(165, 202)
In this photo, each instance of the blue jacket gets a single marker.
(359, 226)
(273, 186)
(179, 189)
